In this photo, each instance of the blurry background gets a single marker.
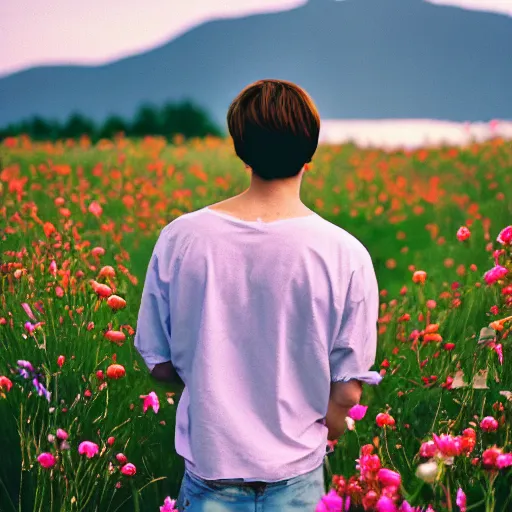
(383, 72)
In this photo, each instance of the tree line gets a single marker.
(185, 118)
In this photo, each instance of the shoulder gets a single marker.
(179, 225)
(348, 247)
(177, 234)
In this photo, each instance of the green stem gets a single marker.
(135, 497)
(475, 505)
(328, 467)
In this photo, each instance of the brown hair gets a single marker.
(275, 127)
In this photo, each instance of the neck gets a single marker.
(278, 193)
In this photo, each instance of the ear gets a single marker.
(306, 167)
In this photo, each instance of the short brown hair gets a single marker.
(275, 127)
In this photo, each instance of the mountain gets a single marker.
(364, 59)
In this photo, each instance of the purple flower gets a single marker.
(25, 364)
(24, 373)
(41, 390)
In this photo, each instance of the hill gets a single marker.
(364, 59)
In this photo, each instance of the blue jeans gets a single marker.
(299, 494)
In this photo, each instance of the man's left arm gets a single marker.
(165, 372)
(153, 334)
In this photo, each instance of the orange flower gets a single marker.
(419, 277)
(115, 336)
(116, 371)
(48, 229)
(98, 251)
(116, 302)
(101, 289)
(432, 328)
(107, 271)
(432, 337)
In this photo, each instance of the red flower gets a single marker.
(115, 336)
(116, 371)
(5, 383)
(385, 420)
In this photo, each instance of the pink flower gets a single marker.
(30, 328)
(496, 255)
(88, 448)
(150, 400)
(60, 361)
(385, 504)
(98, 251)
(461, 500)
(168, 505)
(368, 465)
(463, 234)
(331, 502)
(504, 460)
(358, 412)
(489, 424)
(495, 274)
(95, 208)
(493, 124)
(28, 311)
(53, 268)
(129, 469)
(121, 458)
(505, 236)
(499, 350)
(448, 445)
(47, 460)
(490, 456)
(62, 434)
(389, 478)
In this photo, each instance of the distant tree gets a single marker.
(146, 121)
(112, 126)
(188, 119)
(78, 125)
(41, 129)
(185, 118)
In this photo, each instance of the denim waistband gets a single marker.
(257, 483)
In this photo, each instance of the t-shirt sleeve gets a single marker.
(354, 349)
(153, 333)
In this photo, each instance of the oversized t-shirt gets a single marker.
(258, 318)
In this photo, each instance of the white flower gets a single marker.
(427, 472)
(351, 424)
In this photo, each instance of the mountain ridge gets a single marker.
(365, 59)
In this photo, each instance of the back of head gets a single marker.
(275, 128)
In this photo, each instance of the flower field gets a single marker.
(83, 426)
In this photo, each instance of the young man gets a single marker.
(267, 313)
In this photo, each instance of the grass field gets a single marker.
(71, 213)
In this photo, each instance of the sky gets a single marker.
(93, 32)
